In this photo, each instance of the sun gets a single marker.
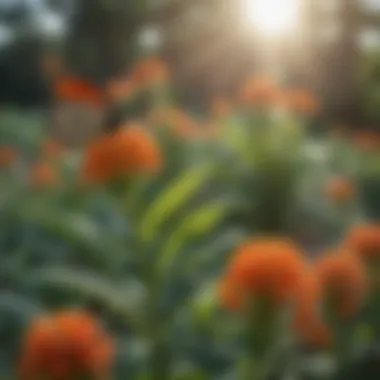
(272, 17)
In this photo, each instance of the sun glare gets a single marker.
(272, 17)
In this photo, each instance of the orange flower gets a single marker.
(128, 151)
(52, 149)
(65, 345)
(78, 90)
(209, 130)
(365, 241)
(150, 71)
(367, 140)
(120, 89)
(340, 190)
(307, 322)
(259, 91)
(7, 156)
(267, 268)
(220, 108)
(229, 295)
(160, 116)
(43, 175)
(176, 120)
(339, 131)
(343, 282)
(301, 101)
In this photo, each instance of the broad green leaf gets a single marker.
(176, 194)
(199, 223)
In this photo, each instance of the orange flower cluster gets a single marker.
(128, 151)
(174, 119)
(209, 130)
(300, 101)
(259, 91)
(262, 268)
(262, 92)
(65, 345)
(220, 108)
(120, 89)
(7, 156)
(274, 270)
(149, 71)
(368, 140)
(365, 241)
(343, 282)
(308, 324)
(43, 175)
(52, 149)
(336, 281)
(78, 90)
(340, 190)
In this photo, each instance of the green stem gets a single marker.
(260, 327)
(250, 369)
(343, 343)
(159, 358)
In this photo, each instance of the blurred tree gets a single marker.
(370, 87)
(22, 82)
(103, 36)
(61, 6)
(208, 47)
(334, 57)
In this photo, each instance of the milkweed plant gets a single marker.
(236, 245)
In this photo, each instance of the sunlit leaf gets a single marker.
(199, 223)
(177, 193)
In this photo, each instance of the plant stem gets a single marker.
(159, 361)
(254, 355)
(343, 343)
(159, 358)
(261, 335)
(250, 369)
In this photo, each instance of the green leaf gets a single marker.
(117, 299)
(78, 229)
(363, 335)
(172, 198)
(199, 223)
(204, 304)
(234, 135)
(188, 372)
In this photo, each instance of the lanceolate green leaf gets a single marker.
(176, 194)
(204, 303)
(80, 230)
(199, 223)
(86, 285)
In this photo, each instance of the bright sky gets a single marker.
(52, 24)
